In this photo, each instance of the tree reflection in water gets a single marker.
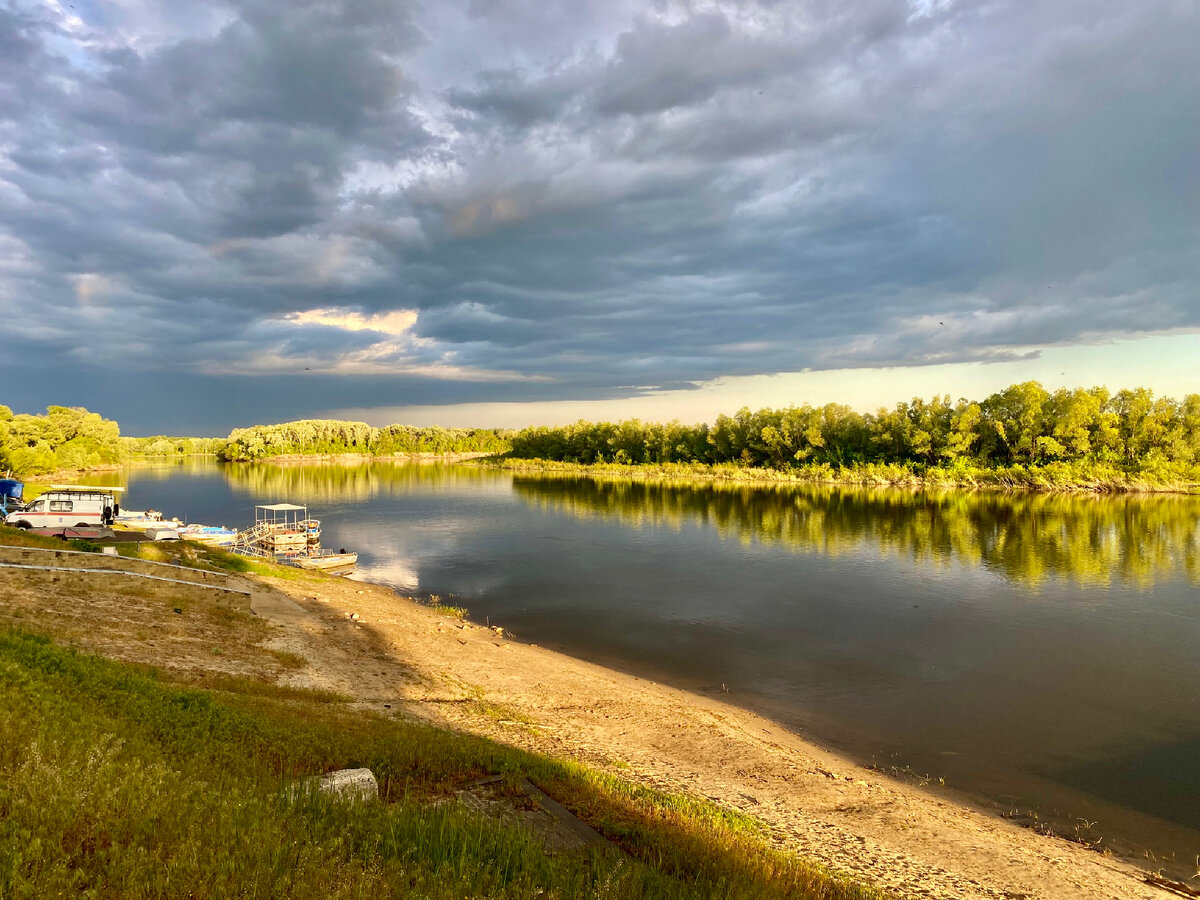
(1028, 538)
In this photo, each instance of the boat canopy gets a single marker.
(280, 507)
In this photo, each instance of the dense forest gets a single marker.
(1023, 426)
(309, 437)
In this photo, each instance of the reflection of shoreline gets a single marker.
(1025, 537)
(341, 479)
(358, 458)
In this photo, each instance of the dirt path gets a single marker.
(399, 655)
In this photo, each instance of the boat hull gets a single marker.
(332, 561)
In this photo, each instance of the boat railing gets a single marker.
(251, 550)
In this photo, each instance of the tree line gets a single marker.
(66, 437)
(332, 437)
(1022, 425)
(72, 438)
(161, 445)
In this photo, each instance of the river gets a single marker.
(1034, 653)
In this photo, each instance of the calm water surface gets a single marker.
(1035, 652)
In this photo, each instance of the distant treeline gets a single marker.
(72, 438)
(331, 437)
(162, 445)
(1023, 435)
(1023, 425)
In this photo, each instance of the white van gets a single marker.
(66, 506)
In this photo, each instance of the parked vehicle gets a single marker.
(67, 506)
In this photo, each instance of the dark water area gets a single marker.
(1034, 652)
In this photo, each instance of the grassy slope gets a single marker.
(117, 780)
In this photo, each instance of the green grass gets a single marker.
(183, 553)
(115, 781)
(238, 564)
(454, 612)
(288, 659)
(19, 537)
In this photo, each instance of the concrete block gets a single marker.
(349, 784)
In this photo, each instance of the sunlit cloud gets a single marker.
(396, 349)
(398, 322)
(88, 286)
(381, 359)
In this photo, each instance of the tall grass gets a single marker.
(117, 782)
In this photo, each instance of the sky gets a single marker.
(500, 212)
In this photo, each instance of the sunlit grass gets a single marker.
(117, 782)
(447, 609)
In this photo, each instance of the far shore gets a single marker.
(67, 475)
(980, 480)
(1047, 480)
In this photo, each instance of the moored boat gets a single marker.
(325, 559)
(284, 532)
(135, 518)
(312, 529)
(212, 535)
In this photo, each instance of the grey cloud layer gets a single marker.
(581, 198)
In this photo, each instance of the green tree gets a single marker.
(1016, 416)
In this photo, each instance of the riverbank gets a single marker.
(393, 656)
(1052, 478)
(181, 780)
(1062, 478)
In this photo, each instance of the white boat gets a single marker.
(137, 517)
(284, 532)
(212, 535)
(324, 559)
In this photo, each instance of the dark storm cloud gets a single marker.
(506, 200)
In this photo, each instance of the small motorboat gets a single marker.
(324, 559)
(212, 535)
(134, 518)
(161, 532)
